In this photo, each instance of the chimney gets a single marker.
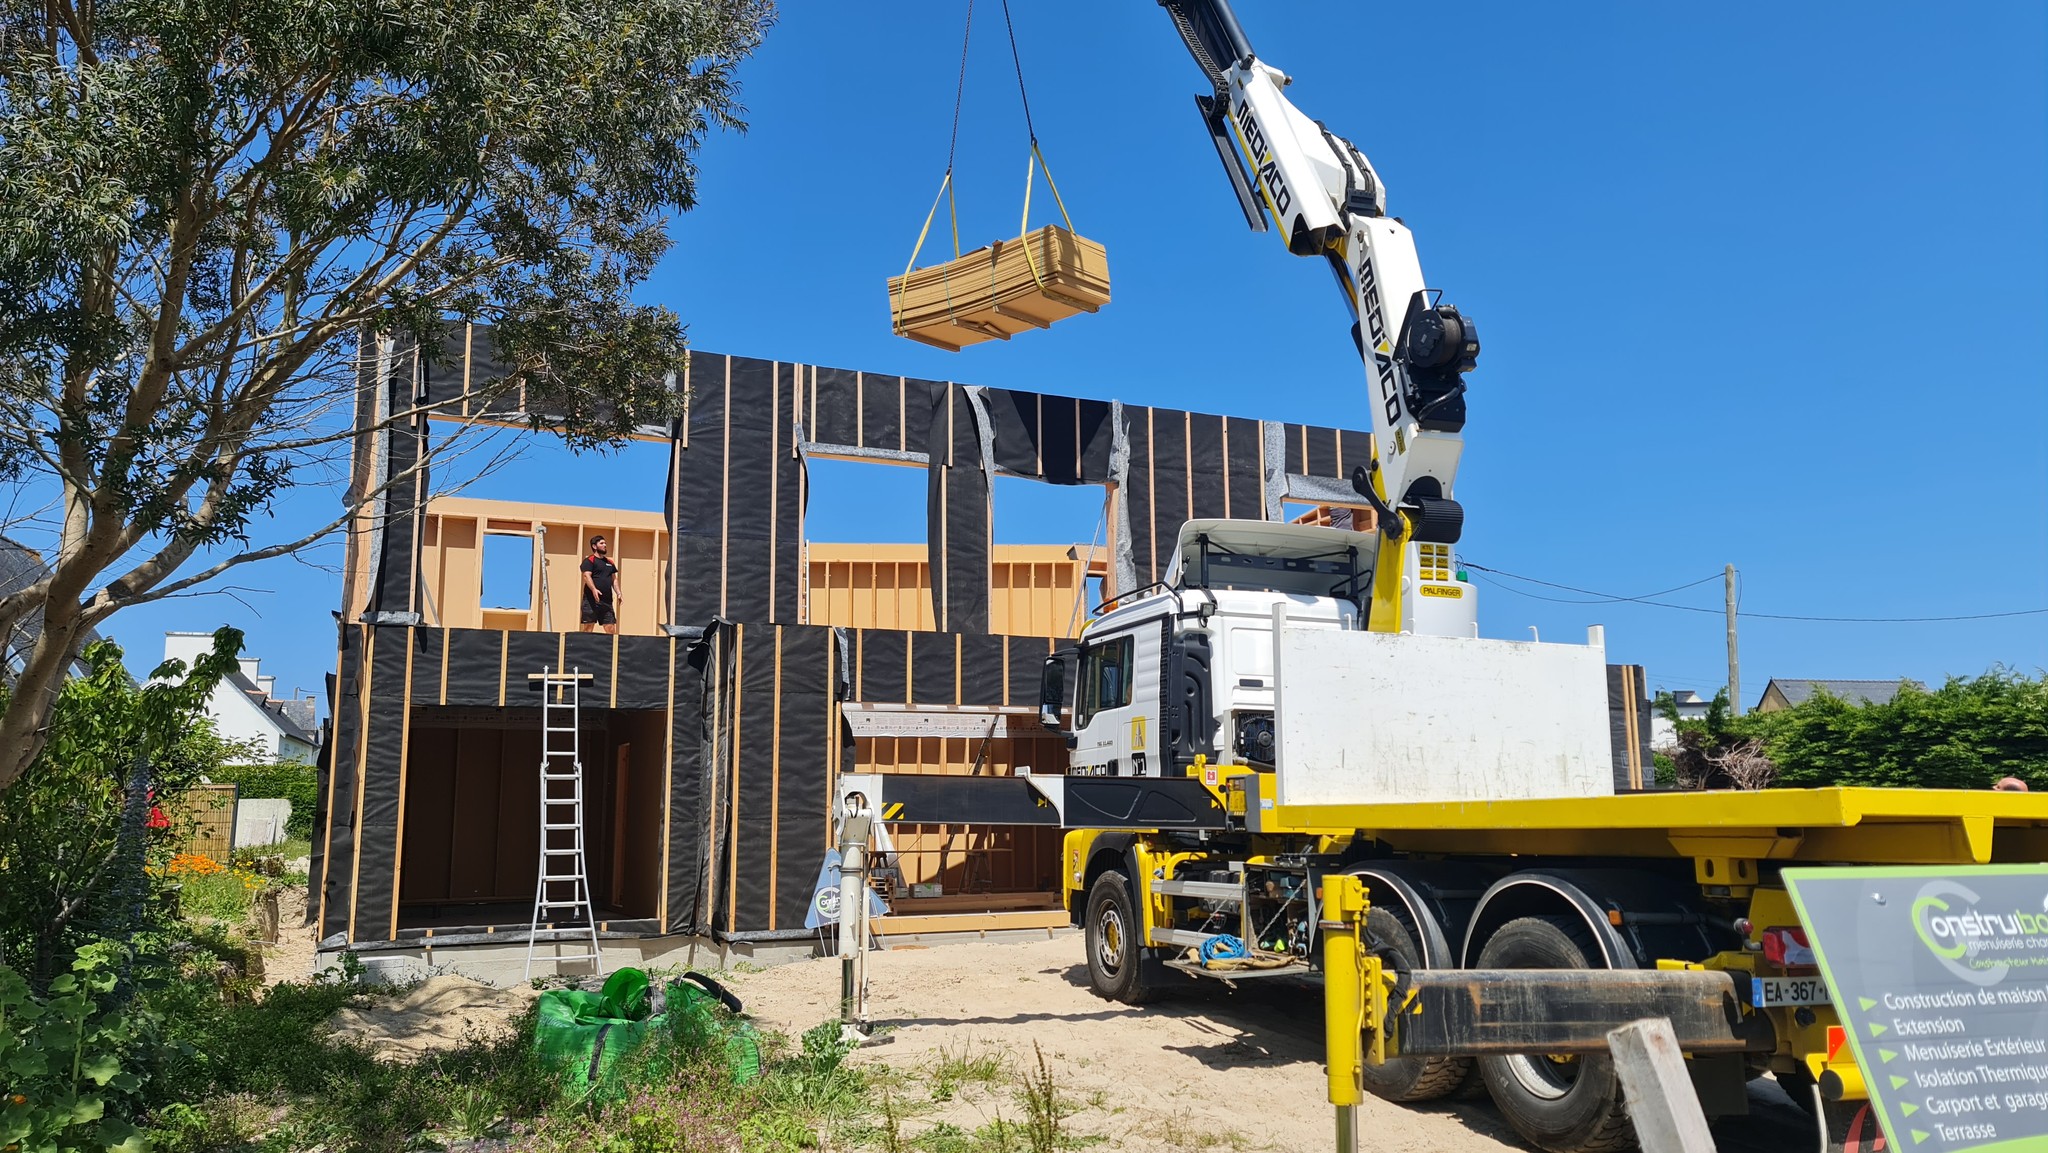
(269, 686)
(249, 665)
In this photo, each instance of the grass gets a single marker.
(948, 1071)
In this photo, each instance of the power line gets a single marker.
(1600, 597)
(1612, 598)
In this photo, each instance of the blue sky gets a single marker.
(1758, 285)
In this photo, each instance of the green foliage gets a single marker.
(74, 836)
(1964, 735)
(293, 782)
(210, 211)
(68, 1056)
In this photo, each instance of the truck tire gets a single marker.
(1115, 936)
(1406, 1078)
(1564, 1105)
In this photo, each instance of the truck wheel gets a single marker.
(1562, 1104)
(1115, 936)
(1406, 1078)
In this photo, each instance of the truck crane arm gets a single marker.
(1325, 200)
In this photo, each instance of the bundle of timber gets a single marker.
(993, 293)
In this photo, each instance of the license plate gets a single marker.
(1774, 991)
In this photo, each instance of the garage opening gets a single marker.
(471, 824)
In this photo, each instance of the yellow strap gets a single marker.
(1049, 184)
(945, 187)
(1031, 166)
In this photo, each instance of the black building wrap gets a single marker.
(752, 753)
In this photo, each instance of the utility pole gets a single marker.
(1734, 664)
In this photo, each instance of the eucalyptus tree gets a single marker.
(207, 207)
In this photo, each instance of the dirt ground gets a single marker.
(1208, 1068)
(438, 1014)
(291, 958)
(1215, 1070)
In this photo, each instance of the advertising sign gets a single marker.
(1940, 976)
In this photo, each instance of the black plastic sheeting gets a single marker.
(771, 728)
(737, 502)
(958, 512)
(977, 669)
(373, 914)
(400, 446)
(337, 791)
(1628, 727)
(692, 784)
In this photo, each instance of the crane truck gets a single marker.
(1294, 702)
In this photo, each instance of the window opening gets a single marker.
(508, 571)
(864, 502)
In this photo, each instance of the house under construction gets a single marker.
(714, 727)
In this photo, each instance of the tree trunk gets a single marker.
(24, 725)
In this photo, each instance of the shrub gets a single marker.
(76, 830)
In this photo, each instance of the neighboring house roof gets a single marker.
(286, 715)
(20, 567)
(1855, 692)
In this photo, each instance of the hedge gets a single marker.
(293, 782)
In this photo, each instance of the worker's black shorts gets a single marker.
(598, 612)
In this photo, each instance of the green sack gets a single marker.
(586, 1035)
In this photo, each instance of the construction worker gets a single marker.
(2010, 785)
(601, 588)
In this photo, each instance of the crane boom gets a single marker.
(1325, 200)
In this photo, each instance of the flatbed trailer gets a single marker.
(1480, 908)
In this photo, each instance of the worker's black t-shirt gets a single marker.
(600, 569)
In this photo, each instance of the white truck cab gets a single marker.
(1184, 667)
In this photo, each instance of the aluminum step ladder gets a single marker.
(562, 909)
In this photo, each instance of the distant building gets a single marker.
(244, 708)
(20, 567)
(1691, 707)
(1785, 694)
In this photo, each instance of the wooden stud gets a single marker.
(725, 494)
(443, 698)
(1223, 466)
(1262, 469)
(404, 750)
(1038, 437)
(832, 745)
(327, 834)
(504, 645)
(1151, 506)
(716, 663)
(739, 698)
(362, 764)
(774, 477)
(668, 774)
(775, 784)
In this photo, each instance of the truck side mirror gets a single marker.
(1052, 691)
